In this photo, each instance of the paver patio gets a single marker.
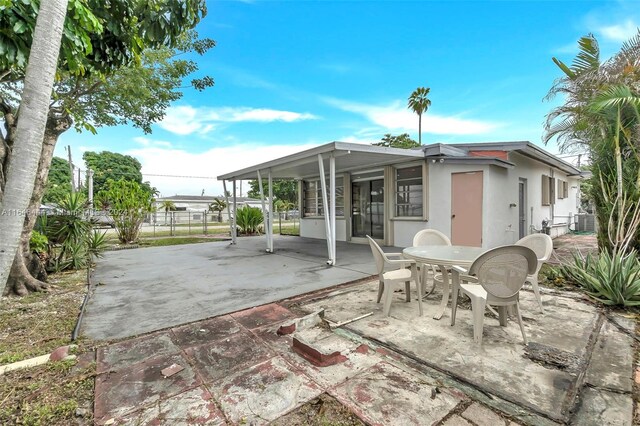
(400, 369)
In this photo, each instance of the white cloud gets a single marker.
(151, 143)
(619, 32)
(396, 117)
(186, 120)
(156, 160)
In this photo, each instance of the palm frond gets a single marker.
(588, 58)
(615, 96)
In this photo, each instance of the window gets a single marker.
(565, 189)
(312, 198)
(548, 190)
(409, 196)
(560, 190)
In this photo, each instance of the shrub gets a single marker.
(38, 242)
(248, 219)
(129, 203)
(613, 279)
(72, 236)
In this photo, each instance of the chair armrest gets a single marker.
(459, 269)
(400, 261)
(394, 254)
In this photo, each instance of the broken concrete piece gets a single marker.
(171, 370)
(315, 355)
(302, 323)
(61, 353)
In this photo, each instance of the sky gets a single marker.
(291, 75)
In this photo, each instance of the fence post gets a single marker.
(189, 228)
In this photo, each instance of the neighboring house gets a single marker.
(199, 205)
(479, 194)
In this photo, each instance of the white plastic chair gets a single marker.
(500, 274)
(429, 237)
(389, 278)
(542, 246)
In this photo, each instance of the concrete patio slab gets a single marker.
(217, 359)
(603, 408)
(611, 364)
(143, 290)
(202, 332)
(193, 407)
(140, 385)
(500, 366)
(263, 392)
(386, 395)
(120, 355)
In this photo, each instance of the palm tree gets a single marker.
(419, 103)
(167, 206)
(32, 119)
(601, 115)
(218, 205)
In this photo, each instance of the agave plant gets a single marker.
(249, 219)
(613, 279)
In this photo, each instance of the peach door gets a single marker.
(466, 209)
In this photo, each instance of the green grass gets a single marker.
(174, 241)
(35, 325)
(40, 322)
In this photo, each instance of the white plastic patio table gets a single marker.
(444, 257)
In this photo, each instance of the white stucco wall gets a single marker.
(315, 228)
(500, 220)
(532, 171)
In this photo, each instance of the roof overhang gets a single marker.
(348, 157)
(528, 150)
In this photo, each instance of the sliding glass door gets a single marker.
(367, 208)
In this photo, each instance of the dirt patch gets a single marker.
(321, 411)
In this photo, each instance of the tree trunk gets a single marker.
(32, 120)
(27, 272)
(420, 129)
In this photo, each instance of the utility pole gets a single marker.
(579, 155)
(90, 186)
(73, 188)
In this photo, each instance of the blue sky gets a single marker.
(292, 75)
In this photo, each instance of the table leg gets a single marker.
(446, 289)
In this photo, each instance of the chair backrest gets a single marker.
(541, 244)
(503, 271)
(430, 237)
(378, 255)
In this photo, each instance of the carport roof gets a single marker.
(348, 156)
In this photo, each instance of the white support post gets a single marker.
(264, 212)
(332, 210)
(270, 213)
(226, 197)
(325, 206)
(235, 214)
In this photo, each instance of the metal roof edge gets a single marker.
(311, 153)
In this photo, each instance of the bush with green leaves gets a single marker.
(128, 204)
(38, 243)
(613, 279)
(249, 219)
(72, 236)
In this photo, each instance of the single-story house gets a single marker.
(479, 194)
(197, 204)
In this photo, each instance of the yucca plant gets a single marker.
(249, 219)
(613, 279)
